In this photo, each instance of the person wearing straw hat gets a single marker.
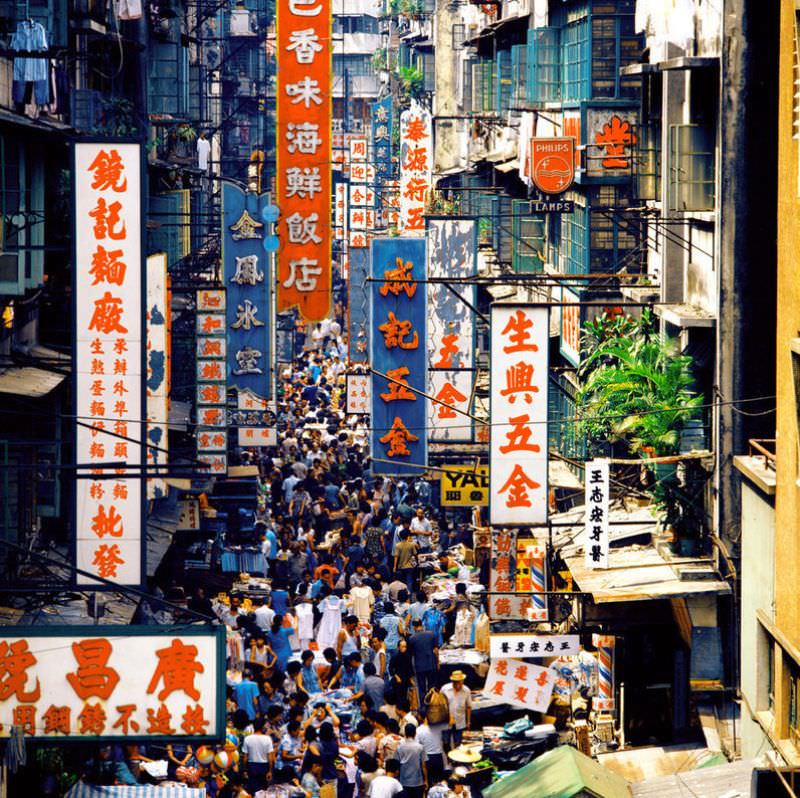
(459, 700)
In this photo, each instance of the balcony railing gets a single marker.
(763, 447)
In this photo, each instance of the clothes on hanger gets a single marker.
(31, 76)
(128, 9)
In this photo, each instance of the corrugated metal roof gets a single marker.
(29, 381)
(729, 781)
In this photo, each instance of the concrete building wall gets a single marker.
(757, 592)
(787, 495)
(787, 501)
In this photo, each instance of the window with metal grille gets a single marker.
(614, 45)
(543, 82)
(483, 85)
(429, 71)
(691, 168)
(503, 82)
(647, 149)
(519, 73)
(503, 232)
(576, 61)
(459, 34)
(574, 241)
(615, 237)
(466, 85)
(528, 238)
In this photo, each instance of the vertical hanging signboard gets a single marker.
(157, 372)
(247, 285)
(452, 250)
(110, 365)
(416, 159)
(518, 446)
(399, 415)
(304, 156)
(596, 541)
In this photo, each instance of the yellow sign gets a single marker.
(465, 486)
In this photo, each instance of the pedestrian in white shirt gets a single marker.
(459, 700)
(389, 785)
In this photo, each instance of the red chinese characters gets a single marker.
(616, 139)
(415, 168)
(520, 684)
(108, 285)
(519, 415)
(90, 684)
(304, 155)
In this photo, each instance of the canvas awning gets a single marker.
(637, 572)
(29, 381)
(508, 166)
(563, 772)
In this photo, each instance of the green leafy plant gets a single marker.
(411, 8)
(637, 387)
(118, 118)
(638, 394)
(412, 82)
(484, 230)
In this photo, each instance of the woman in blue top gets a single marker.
(308, 675)
(328, 750)
(391, 623)
(278, 639)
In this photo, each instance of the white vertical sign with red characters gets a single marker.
(518, 446)
(596, 543)
(109, 358)
(416, 158)
(452, 247)
(520, 684)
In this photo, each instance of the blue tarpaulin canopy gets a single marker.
(83, 790)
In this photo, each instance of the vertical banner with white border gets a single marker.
(246, 270)
(157, 371)
(109, 361)
(452, 248)
(597, 540)
(399, 414)
(303, 144)
(416, 168)
(212, 393)
(359, 393)
(518, 446)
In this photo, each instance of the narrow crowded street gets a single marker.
(399, 399)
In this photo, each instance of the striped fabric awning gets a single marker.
(83, 790)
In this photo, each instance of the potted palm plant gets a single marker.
(638, 395)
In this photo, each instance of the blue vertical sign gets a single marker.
(358, 305)
(247, 280)
(398, 350)
(382, 138)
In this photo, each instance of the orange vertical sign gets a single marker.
(304, 156)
